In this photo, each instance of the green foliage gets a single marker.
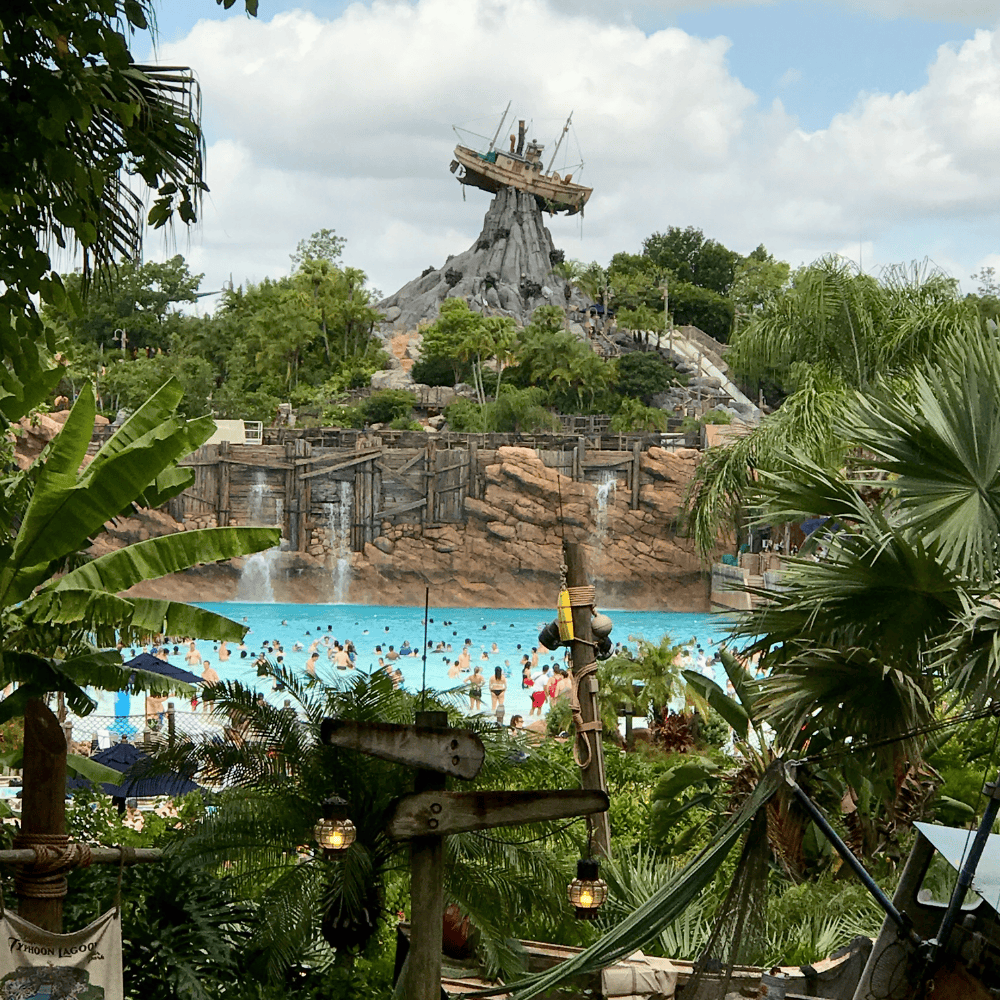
(648, 680)
(549, 356)
(682, 803)
(465, 416)
(961, 761)
(324, 244)
(282, 774)
(437, 370)
(692, 259)
(901, 613)
(464, 341)
(632, 415)
(386, 405)
(52, 622)
(515, 411)
(405, 424)
(758, 280)
(137, 299)
(710, 311)
(81, 116)
(128, 384)
(641, 375)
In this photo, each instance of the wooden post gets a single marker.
(171, 725)
(222, 509)
(290, 529)
(473, 490)
(582, 653)
(581, 456)
(43, 799)
(423, 973)
(303, 496)
(636, 465)
(431, 482)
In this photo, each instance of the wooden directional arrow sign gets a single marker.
(440, 813)
(457, 752)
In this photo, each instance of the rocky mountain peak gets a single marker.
(506, 272)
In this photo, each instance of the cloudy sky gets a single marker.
(869, 128)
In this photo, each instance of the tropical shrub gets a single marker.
(386, 405)
(643, 374)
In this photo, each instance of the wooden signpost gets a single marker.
(429, 815)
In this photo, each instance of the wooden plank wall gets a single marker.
(306, 489)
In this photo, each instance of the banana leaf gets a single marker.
(167, 554)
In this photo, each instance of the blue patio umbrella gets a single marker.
(142, 781)
(154, 665)
(812, 524)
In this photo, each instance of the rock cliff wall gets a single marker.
(507, 552)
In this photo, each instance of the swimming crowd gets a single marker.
(544, 682)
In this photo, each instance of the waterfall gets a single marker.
(255, 506)
(605, 496)
(255, 581)
(279, 513)
(338, 519)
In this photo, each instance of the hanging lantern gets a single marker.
(588, 891)
(334, 832)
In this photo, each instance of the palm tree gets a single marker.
(898, 617)
(832, 333)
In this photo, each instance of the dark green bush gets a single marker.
(386, 405)
(642, 375)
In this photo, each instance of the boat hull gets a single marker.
(502, 170)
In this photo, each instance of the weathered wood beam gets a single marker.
(440, 813)
(324, 470)
(457, 752)
(99, 855)
(402, 508)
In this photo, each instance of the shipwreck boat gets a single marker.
(521, 167)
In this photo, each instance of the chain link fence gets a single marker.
(98, 732)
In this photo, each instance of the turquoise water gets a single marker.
(514, 630)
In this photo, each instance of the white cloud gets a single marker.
(345, 124)
(966, 12)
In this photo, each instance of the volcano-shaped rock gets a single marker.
(506, 272)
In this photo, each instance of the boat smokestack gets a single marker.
(520, 137)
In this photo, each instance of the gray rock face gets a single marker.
(507, 271)
(392, 379)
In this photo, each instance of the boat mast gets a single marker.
(496, 134)
(555, 152)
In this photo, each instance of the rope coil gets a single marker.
(582, 728)
(582, 597)
(45, 878)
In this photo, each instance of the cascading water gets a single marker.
(605, 495)
(255, 580)
(255, 505)
(338, 519)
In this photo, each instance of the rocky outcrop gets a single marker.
(507, 271)
(508, 551)
(31, 434)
